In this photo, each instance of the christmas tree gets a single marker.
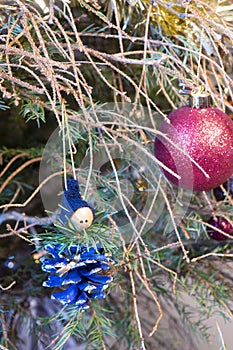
(116, 162)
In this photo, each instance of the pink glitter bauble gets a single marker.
(203, 135)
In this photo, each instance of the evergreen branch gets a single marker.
(226, 255)
(9, 228)
(6, 339)
(18, 170)
(135, 305)
(53, 53)
(223, 346)
(28, 200)
(12, 161)
(146, 283)
(96, 335)
(8, 287)
(58, 342)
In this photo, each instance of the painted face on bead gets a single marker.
(82, 217)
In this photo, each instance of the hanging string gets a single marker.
(195, 77)
(64, 144)
(189, 42)
(200, 54)
(71, 148)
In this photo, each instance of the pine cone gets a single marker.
(80, 268)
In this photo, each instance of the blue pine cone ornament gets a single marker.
(81, 272)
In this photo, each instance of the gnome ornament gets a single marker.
(74, 209)
(196, 143)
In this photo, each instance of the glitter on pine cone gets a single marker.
(223, 225)
(84, 271)
(206, 135)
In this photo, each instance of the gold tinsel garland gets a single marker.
(170, 17)
(173, 16)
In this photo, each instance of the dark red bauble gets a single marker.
(204, 134)
(221, 224)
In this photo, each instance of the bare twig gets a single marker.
(8, 287)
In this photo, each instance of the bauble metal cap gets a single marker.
(199, 99)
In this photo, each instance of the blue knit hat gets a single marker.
(74, 208)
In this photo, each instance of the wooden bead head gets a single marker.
(82, 217)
